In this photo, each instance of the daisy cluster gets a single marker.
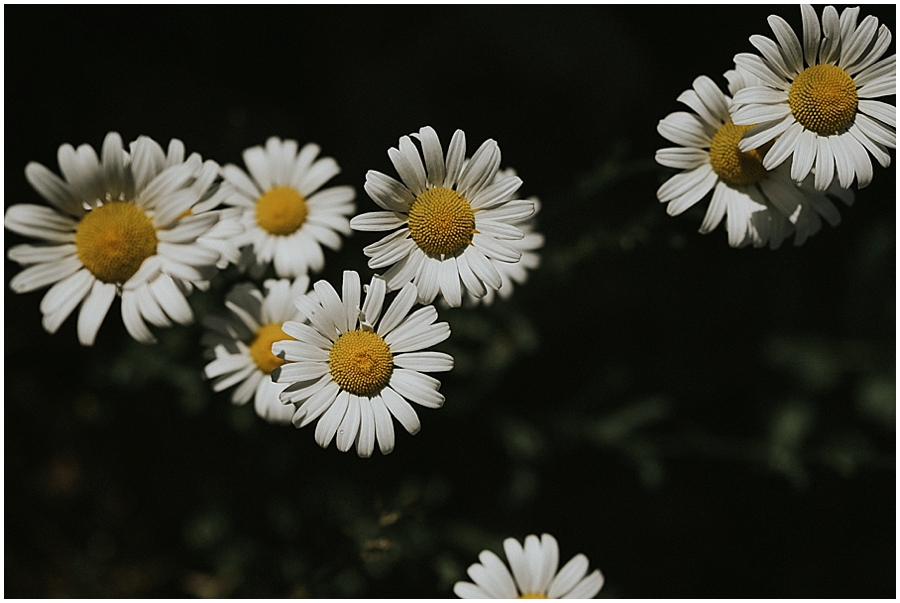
(148, 226)
(796, 130)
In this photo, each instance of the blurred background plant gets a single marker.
(699, 421)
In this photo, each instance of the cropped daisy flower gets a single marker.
(448, 223)
(534, 574)
(355, 366)
(242, 344)
(816, 98)
(119, 224)
(760, 207)
(286, 218)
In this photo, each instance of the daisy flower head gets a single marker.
(815, 98)
(759, 207)
(450, 218)
(242, 344)
(353, 366)
(286, 218)
(120, 224)
(533, 576)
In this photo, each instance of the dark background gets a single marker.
(699, 421)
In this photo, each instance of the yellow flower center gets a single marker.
(281, 210)
(441, 221)
(732, 165)
(361, 362)
(533, 596)
(261, 348)
(113, 241)
(823, 98)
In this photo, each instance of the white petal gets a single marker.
(804, 155)
(331, 420)
(493, 576)
(417, 387)
(448, 277)
(371, 310)
(456, 154)
(790, 45)
(387, 192)
(811, 35)
(772, 53)
(401, 410)
(41, 275)
(521, 571)
(384, 426)
(681, 158)
(299, 371)
(467, 590)
(171, 299)
(716, 209)
(365, 438)
(685, 189)
(759, 113)
(40, 222)
(824, 163)
(349, 426)
(880, 111)
(378, 220)
(570, 574)
(757, 67)
(63, 297)
(482, 268)
(408, 164)
(684, 129)
(434, 155)
(131, 316)
(94, 310)
(783, 147)
(53, 189)
(317, 404)
(398, 309)
(588, 587)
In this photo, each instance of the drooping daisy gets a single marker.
(512, 273)
(448, 222)
(762, 207)
(117, 225)
(286, 221)
(534, 574)
(816, 98)
(355, 366)
(242, 344)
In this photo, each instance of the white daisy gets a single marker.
(354, 374)
(762, 207)
(286, 221)
(816, 98)
(242, 344)
(534, 574)
(119, 225)
(450, 222)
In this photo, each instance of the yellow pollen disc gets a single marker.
(732, 165)
(823, 98)
(361, 362)
(533, 596)
(441, 221)
(113, 241)
(281, 210)
(261, 348)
